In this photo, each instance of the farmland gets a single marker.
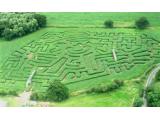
(77, 50)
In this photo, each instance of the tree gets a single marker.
(142, 23)
(57, 91)
(41, 19)
(108, 24)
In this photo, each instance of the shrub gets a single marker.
(107, 88)
(3, 93)
(41, 19)
(8, 92)
(138, 102)
(119, 82)
(153, 99)
(57, 92)
(142, 23)
(34, 96)
(38, 96)
(12, 92)
(153, 95)
(108, 24)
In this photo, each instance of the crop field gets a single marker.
(80, 58)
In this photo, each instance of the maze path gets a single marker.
(59, 56)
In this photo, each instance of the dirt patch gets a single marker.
(30, 56)
(23, 99)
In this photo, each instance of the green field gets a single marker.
(76, 49)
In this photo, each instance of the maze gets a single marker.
(77, 56)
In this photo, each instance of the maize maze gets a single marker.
(74, 58)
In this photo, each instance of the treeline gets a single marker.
(13, 25)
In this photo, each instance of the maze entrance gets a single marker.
(78, 56)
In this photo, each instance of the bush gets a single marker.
(41, 19)
(12, 92)
(8, 92)
(153, 99)
(138, 102)
(57, 92)
(13, 25)
(153, 95)
(119, 82)
(34, 96)
(108, 24)
(107, 88)
(142, 23)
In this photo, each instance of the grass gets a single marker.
(121, 97)
(97, 19)
(72, 49)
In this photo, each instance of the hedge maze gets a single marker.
(73, 58)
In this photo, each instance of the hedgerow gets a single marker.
(8, 92)
(106, 88)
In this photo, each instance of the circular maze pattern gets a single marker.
(74, 58)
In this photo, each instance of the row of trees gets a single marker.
(13, 25)
(141, 23)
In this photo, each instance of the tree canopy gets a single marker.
(13, 25)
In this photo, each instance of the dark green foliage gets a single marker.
(13, 25)
(41, 19)
(142, 23)
(34, 96)
(138, 102)
(107, 88)
(108, 24)
(57, 91)
(153, 95)
(153, 99)
(8, 92)
(157, 78)
(153, 92)
(141, 91)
